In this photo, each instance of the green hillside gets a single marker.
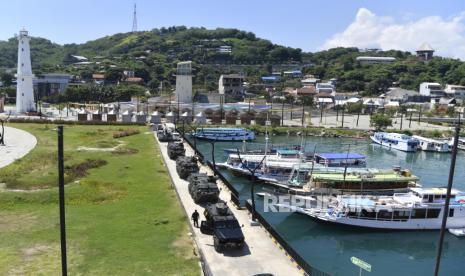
(153, 55)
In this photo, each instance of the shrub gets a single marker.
(124, 133)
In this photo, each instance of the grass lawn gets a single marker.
(123, 218)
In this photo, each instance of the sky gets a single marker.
(311, 25)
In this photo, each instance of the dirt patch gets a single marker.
(80, 170)
(125, 151)
(44, 259)
(184, 247)
(15, 222)
(121, 144)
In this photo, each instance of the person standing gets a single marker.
(195, 218)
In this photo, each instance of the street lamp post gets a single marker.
(445, 214)
(61, 195)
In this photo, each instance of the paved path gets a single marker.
(260, 255)
(350, 121)
(17, 144)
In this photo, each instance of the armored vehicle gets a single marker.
(203, 188)
(167, 133)
(185, 165)
(176, 149)
(221, 223)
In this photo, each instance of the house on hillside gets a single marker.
(231, 85)
(367, 60)
(455, 91)
(443, 103)
(293, 74)
(403, 95)
(432, 89)
(98, 78)
(325, 87)
(425, 52)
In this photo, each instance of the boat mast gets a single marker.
(313, 163)
(266, 139)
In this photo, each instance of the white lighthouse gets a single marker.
(24, 90)
(184, 82)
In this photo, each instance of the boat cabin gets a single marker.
(287, 153)
(434, 195)
(340, 159)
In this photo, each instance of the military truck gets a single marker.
(203, 188)
(167, 133)
(185, 165)
(223, 225)
(175, 149)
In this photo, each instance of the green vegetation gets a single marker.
(122, 216)
(153, 55)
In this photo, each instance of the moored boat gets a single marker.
(362, 181)
(224, 134)
(395, 141)
(428, 144)
(460, 145)
(417, 209)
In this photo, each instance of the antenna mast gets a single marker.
(134, 20)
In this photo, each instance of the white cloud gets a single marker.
(368, 30)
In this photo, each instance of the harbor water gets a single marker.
(330, 247)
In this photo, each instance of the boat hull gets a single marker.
(412, 224)
(401, 147)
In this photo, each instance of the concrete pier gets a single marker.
(259, 255)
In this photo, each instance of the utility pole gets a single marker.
(419, 116)
(410, 120)
(282, 114)
(358, 116)
(337, 113)
(445, 213)
(292, 107)
(401, 119)
(61, 195)
(303, 113)
(343, 109)
(134, 19)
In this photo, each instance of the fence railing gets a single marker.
(309, 270)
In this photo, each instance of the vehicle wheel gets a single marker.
(216, 244)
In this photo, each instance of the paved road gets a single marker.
(260, 255)
(17, 144)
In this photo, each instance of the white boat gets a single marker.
(460, 145)
(428, 144)
(459, 232)
(395, 141)
(282, 159)
(418, 209)
(224, 134)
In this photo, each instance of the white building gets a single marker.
(456, 91)
(432, 89)
(425, 51)
(50, 84)
(366, 60)
(225, 49)
(325, 87)
(232, 85)
(184, 82)
(24, 88)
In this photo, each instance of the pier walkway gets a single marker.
(259, 255)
